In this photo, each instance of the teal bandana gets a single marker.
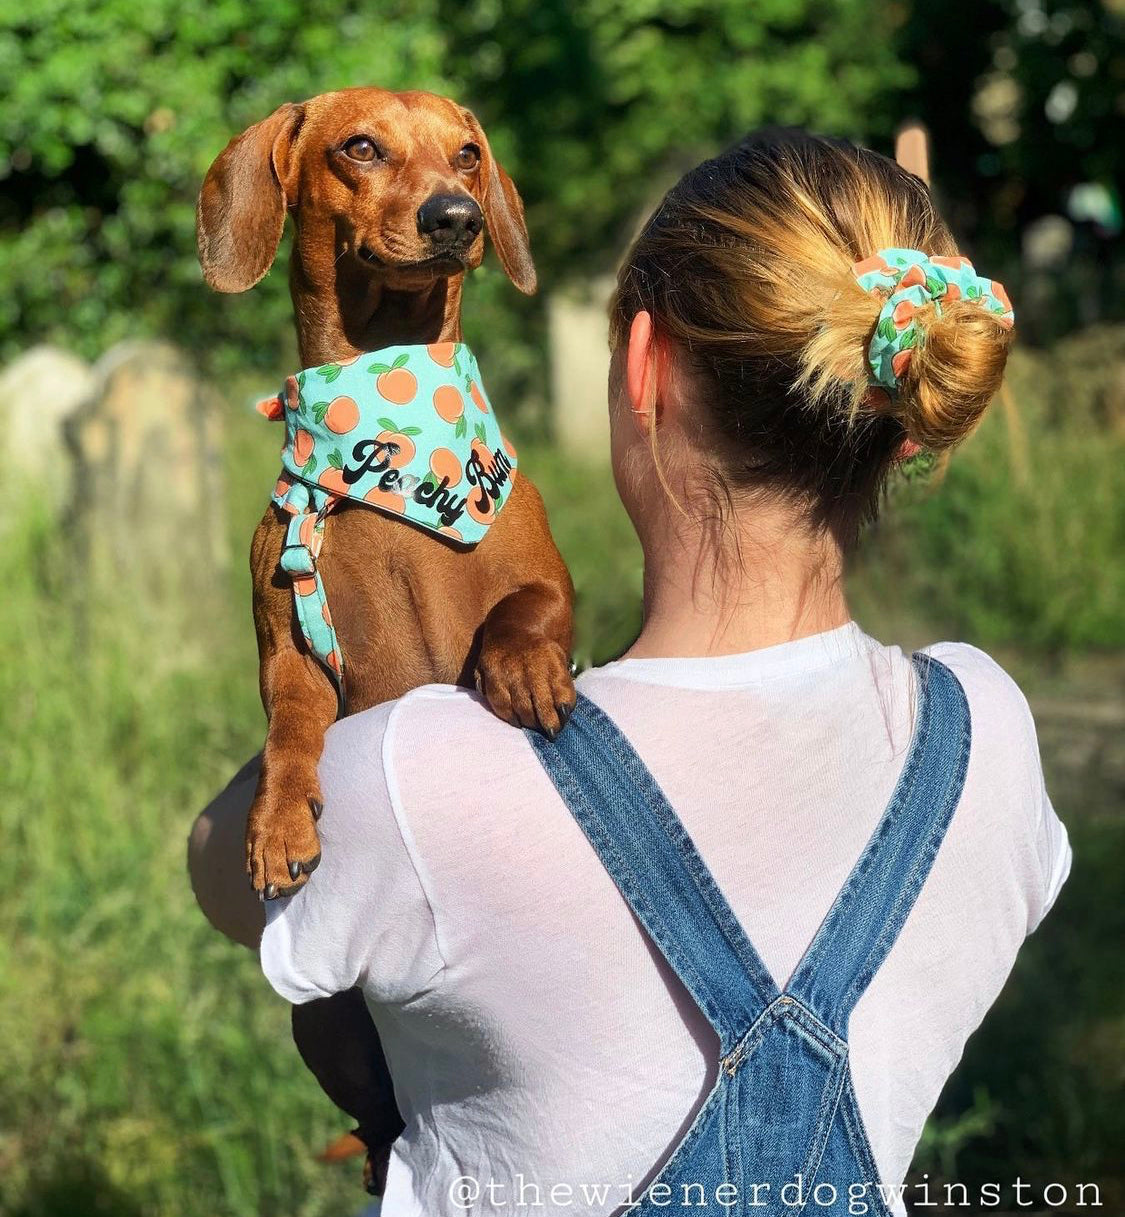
(907, 280)
(407, 430)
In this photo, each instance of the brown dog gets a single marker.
(390, 194)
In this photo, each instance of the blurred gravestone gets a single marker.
(148, 491)
(579, 343)
(39, 391)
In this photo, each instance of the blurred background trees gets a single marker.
(114, 110)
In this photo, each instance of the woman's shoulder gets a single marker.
(999, 709)
(451, 705)
(428, 737)
(1005, 787)
(978, 671)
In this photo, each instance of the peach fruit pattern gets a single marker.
(907, 280)
(408, 431)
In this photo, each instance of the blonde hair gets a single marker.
(746, 268)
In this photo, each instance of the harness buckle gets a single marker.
(298, 559)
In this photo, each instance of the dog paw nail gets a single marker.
(317, 808)
(271, 891)
(294, 869)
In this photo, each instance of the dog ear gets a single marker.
(241, 212)
(503, 213)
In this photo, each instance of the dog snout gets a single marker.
(450, 220)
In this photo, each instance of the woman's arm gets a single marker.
(217, 861)
(363, 917)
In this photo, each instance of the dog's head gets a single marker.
(400, 184)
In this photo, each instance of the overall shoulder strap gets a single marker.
(648, 853)
(872, 907)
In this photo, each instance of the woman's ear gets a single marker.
(241, 211)
(640, 374)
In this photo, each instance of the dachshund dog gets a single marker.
(390, 194)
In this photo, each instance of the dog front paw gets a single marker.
(282, 845)
(527, 682)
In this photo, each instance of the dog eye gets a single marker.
(360, 148)
(468, 157)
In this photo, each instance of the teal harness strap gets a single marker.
(303, 541)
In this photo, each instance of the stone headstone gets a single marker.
(148, 503)
(39, 391)
(579, 343)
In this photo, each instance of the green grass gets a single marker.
(1020, 541)
(148, 1071)
(148, 1067)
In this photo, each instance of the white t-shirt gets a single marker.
(536, 1039)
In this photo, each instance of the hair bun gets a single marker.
(953, 373)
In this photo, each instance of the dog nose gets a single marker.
(450, 219)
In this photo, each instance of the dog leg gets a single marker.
(523, 668)
(282, 845)
(338, 1041)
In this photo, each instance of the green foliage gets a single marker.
(115, 110)
(1019, 542)
(112, 114)
(594, 103)
(1038, 1091)
(147, 1070)
(1022, 98)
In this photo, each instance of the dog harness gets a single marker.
(407, 430)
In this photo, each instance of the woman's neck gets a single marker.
(769, 582)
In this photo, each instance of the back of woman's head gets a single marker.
(746, 268)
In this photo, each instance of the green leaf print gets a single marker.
(935, 287)
(908, 340)
(320, 410)
(411, 431)
(457, 366)
(886, 329)
(309, 467)
(330, 371)
(401, 361)
(479, 431)
(461, 428)
(336, 458)
(387, 424)
(379, 368)
(301, 380)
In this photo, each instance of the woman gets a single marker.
(570, 989)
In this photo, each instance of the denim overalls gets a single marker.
(783, 1110)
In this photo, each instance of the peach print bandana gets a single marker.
(407, 430)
